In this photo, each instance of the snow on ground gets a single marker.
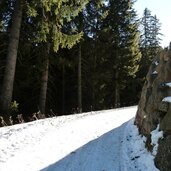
(167, 99)
(168, 84)
(96, 141)
(155, 136)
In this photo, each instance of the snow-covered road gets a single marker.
(101, 154)
(95, 141)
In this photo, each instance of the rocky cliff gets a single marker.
(155, 108)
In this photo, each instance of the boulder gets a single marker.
(165, 124)
(162, 159)
(152, 110)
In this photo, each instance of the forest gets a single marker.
(59, 57)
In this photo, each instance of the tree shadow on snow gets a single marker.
(101, 154)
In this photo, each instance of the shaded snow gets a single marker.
(167, 99)
(156, 63)
(155, 72)
(95, 141)
(168, 84)
(134, 154)
(155, 136)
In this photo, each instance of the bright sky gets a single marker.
(162, 9)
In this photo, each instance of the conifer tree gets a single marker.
(146, 28)
(155, 35)
(8, 80)
(55, 14)
(122, 38)
(94, 15)
(51, 28)
(150, 40)
(49, 17)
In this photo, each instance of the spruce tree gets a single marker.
(8, 80)
(51, 29)
(122, 39)
(150, 40)
(94, 15)
(54, 15)
(155, 35)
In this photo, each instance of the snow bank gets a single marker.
(134, 154)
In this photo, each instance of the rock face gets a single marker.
(155, 107)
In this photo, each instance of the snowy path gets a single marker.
(96, 141)
(101, 154)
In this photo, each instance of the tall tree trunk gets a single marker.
(79, 81)
(117, 92)
(116, 77)
(63, 88)
(44, 84)
(8, 80)
(93, 105)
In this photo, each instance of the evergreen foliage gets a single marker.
(122, 55)
(150, 40)
(114, 58)
(54, 15)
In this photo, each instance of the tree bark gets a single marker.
(63, 88)
(117, 93)
(79, 81)
(116, 77)
(9, 74)
(43, 89)
(44, 85)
